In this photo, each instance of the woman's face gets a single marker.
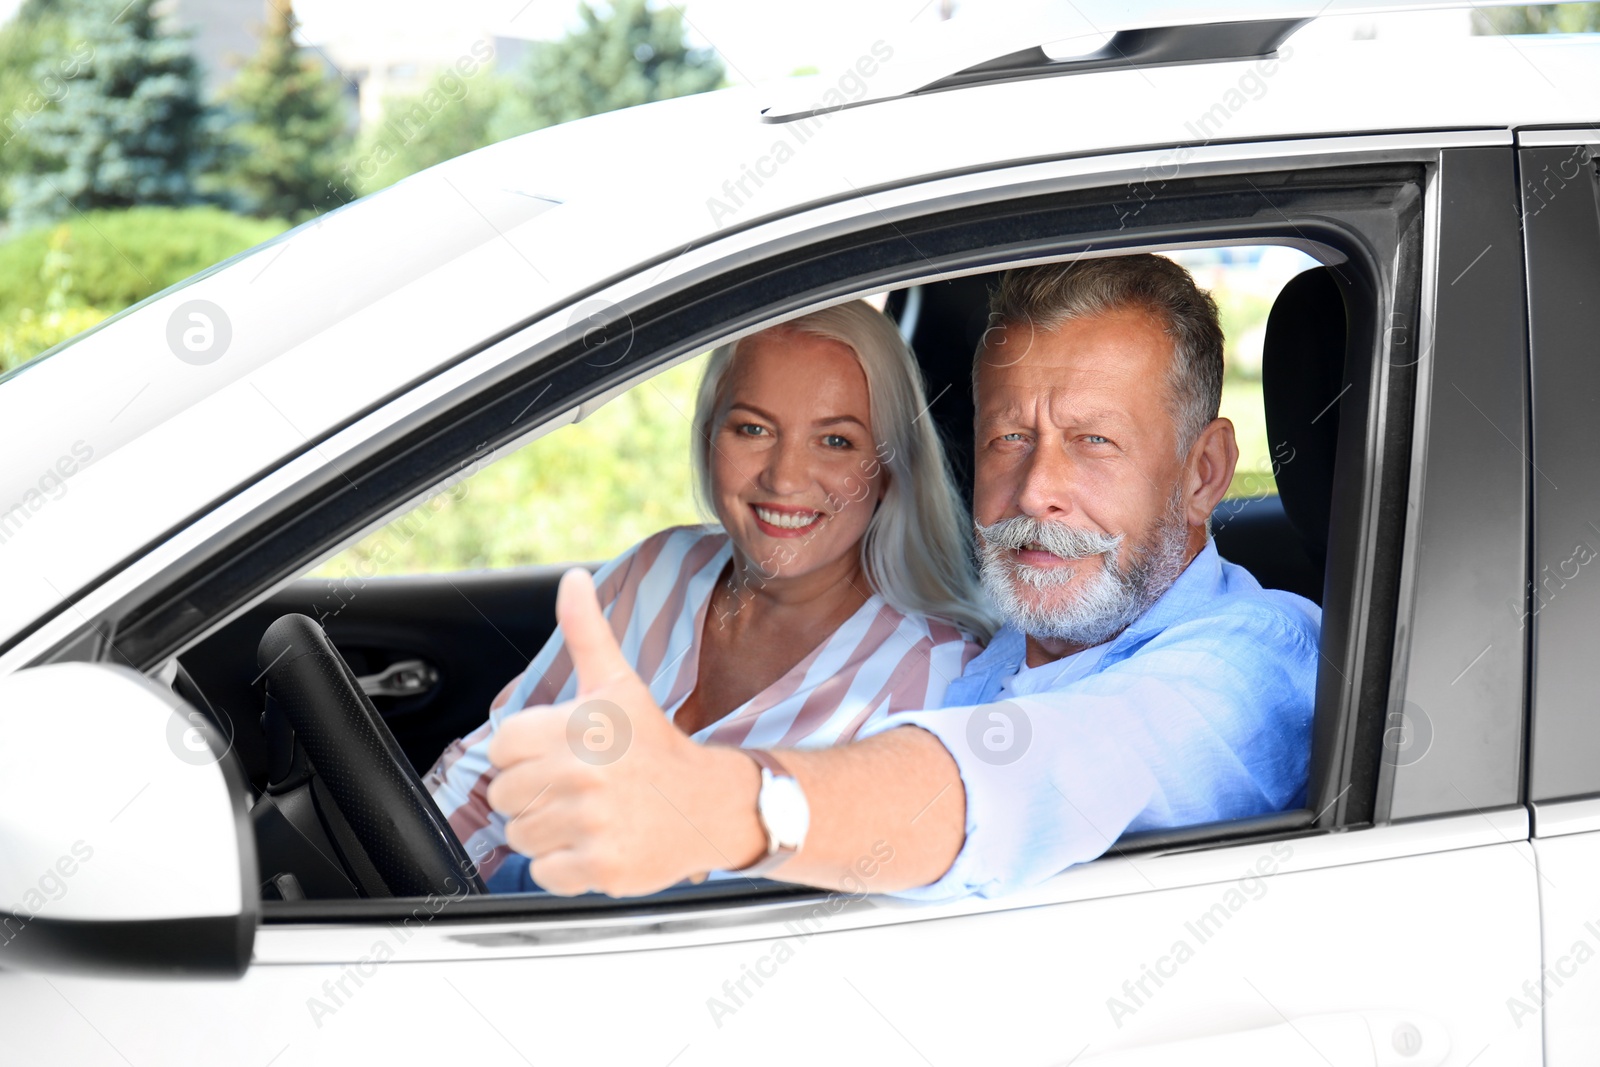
(794, 469)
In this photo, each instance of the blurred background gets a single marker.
(144, 140)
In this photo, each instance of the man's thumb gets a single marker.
(590, 642)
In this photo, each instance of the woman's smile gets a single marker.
(780, 521)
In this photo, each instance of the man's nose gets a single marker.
(786, 470)
(1048, 477)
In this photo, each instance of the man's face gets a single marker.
(1080, 497)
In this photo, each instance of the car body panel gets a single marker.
(982, 988)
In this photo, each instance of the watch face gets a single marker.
(784, 810)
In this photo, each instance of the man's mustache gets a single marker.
(1056, 538)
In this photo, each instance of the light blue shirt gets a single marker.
(1199, 711)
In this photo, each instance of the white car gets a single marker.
(167, 890)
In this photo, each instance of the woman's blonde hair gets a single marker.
(917, 550)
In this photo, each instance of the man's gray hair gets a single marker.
(1048, 296)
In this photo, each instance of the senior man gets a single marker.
(1140, 680)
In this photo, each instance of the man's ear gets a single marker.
(1211, 464)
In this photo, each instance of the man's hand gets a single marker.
(602, 791)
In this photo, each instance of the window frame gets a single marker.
(1561, 231)
(794, 273)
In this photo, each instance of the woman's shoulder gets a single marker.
(660, 557)
(673, 541)
(934, 629)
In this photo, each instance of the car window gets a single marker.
(588, 491)
(583, 492)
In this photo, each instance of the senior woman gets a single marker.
(835, 589)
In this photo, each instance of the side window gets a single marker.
(584, 492)
(1244, 281)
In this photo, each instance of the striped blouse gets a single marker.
(655, 596)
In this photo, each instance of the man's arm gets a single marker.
(660, 808)
(891, 805)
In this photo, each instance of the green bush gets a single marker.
(33, 332)
(120, 257)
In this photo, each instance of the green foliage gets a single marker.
(120, 257)
(1538, 18)
(288, 128)
(1241, 403)
(129, 125)
(625, 56)
(459, 112)
(584, 492)
(1241, 313)
(33, 37)
(631, 55)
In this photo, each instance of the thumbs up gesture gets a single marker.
(602, 791)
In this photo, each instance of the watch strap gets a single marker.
(771, 766)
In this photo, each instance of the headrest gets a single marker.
(1302, 378)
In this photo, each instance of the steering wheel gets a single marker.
(356, 757)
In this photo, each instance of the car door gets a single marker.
(1561, 231)
(1389, 918)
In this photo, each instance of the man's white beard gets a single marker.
(1107, 602)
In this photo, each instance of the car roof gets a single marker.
(530, 224)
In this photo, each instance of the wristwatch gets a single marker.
(784, 813)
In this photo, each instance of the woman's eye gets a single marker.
(1011, 437)
(749, 429)
(834, 440)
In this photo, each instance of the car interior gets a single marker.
(426, 653)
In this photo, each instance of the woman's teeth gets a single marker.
(789, 520)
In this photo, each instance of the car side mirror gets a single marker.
(125, 841)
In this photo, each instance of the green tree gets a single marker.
(129, 127)
(628, 55)
(1539, 18)
(35, 34)
(617, 57)
(288, 127)
(455, 115)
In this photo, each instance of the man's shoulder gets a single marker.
(1218, 606)
(1241, 615)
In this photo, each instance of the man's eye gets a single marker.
(1013, 437)
(1096, 439)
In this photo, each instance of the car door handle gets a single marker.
(1343, 1039)
(404, 678)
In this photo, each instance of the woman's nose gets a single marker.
(787, 469)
